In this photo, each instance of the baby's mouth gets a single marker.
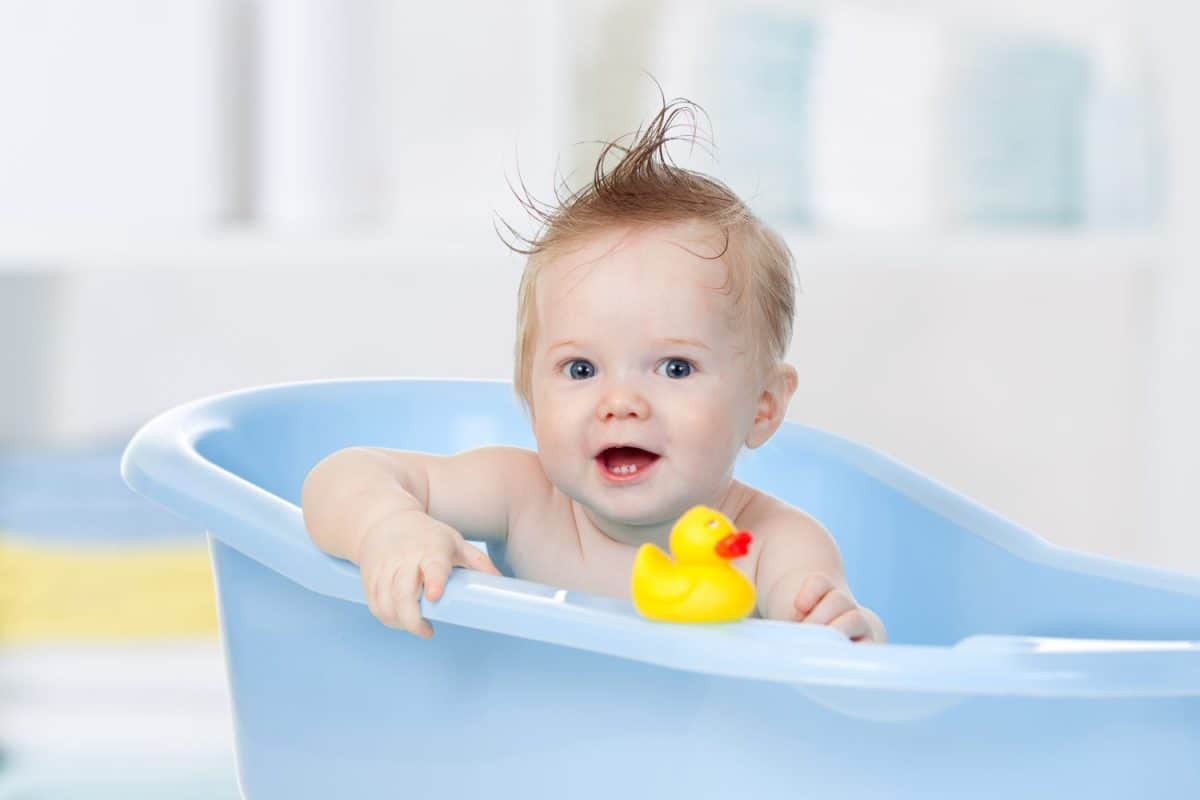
(626, 461)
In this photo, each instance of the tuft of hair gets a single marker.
(646, 187)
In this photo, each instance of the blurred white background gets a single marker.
(199, 195)
(990, 204)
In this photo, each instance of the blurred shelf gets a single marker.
(1019, 250)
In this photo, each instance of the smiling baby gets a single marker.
(654, 316)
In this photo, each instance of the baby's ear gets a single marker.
(772, 405)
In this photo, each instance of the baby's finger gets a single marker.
(434, 573)
(832, 606)
(406, 611)
(379, 595)
(472, 557)
(853, 624)
(373, 589)
(812, 590)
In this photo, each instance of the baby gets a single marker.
(654, 314)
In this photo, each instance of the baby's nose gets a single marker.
(622, 403)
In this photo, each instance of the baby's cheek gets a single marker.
(546, 427)
(729, 422)
(709, 460)
(560, 455)
(553, 468)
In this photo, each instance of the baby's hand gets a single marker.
(404, 553)
(820, 601)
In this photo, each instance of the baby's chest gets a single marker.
(546, 548)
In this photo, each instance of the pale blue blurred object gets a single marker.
(1017, 669)
(759, 69)
(70, 496)
(1017, 132)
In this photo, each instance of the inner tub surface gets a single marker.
(1016, 667)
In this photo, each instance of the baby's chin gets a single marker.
(637, 513)
(633, 506)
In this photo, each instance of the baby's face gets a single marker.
(642, 386)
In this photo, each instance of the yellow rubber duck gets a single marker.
(699, 584)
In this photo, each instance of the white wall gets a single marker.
(136, 342)
(115, 114)
(1021, 390)
(1169, 29)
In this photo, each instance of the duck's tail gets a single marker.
(655, 577)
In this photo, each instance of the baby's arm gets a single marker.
(800, 577)
(398, 516)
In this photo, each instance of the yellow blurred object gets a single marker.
(699, 584)
(55, 592)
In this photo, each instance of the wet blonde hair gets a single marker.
(646, 187)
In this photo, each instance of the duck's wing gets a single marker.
(655, 576)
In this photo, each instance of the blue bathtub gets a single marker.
(1016, 668)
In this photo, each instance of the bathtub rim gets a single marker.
(162, 462)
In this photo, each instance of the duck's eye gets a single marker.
(712, 523)
(579, 369)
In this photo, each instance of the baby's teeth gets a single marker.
(625, 469)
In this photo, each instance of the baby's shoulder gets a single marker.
(785, 536)
(767, 517)
(521, 469)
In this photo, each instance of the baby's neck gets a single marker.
(622, 533)
(731, 503)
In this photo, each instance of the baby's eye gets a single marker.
(579, 369)
(675, 368)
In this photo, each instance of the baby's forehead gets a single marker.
(682, 260)
(697, 236)
(651, 290)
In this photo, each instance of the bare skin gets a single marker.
(663, 369)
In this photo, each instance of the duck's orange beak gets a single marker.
(735, 545)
